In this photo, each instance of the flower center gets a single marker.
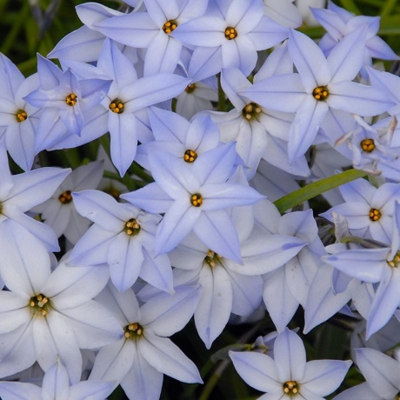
(116, 106)
(251, 111)
(132, 228)
(190, 156)
(320, 93)
(230, 33)
(290, 388)
(368, 145)
(190, 88)
(39, 305)
(374, 214)
(65, 197)
(169, 26)
(212, 259)
(133, 331)
(71, 99)
(395, 262)
(196, 200)
(21, 115)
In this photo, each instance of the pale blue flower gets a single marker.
(64, 99)
(122, 237)
(288, 375)
(152, 30)
(140, 359)
(123, 112)
(48, 314)
(229, 37)
(322, 86)
(375, 265)
(195, 198)
(367, 209)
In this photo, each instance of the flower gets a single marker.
(195, 198)
(288, 375)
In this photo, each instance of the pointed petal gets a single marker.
(162, 55)
(102, 209)
(167, 358)
(347, 57)
(323, 377)
(257, 370)
(153, 89)
(358, 99)
(309, 60)
(55, 338)
(305, 126)
(290, 352)
(157, 271)
(176, 225)
(215, 306)
(18, 351)
(113, 362)
(380, 371)
(142, 382)
(125, 258)
(72, 286)
(29, 259)
(167, 314)
(386, 301)
(279, 301)
(94, 326)
(135, 29)
(217, 231)
(34, 187)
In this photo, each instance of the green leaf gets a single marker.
(314, 189)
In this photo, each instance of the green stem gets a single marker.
(314, 189)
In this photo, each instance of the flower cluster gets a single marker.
(203, 118)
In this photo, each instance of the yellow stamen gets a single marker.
(290, 388)
(71, 99)
(190, 156)
(65, 197)
(21, 115)
(320, 93)
(169, 26)
(230, 33)
(196, 200)
(374, 214)
(117, 106)
(251, 111)
(132, 227)
(133, 331)
(368, 145)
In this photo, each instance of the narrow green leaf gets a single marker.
(388, 7)
(314, 189)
